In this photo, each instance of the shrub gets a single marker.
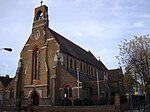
(66, 102)
(77, 102)
(102, 101)
(87, 101)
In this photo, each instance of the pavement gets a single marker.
(136, 109)
(132, 111)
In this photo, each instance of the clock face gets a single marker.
(37, 34)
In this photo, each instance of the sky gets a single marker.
(95, 25)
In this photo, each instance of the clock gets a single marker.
(37, 34)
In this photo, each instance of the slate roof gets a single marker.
(88, 80)
(84, 78)
(74, 50)
(5, 80)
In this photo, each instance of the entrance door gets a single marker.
(35, 98)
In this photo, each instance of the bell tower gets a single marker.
(41, 16)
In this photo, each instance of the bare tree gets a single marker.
(135, 54)
(128, 82)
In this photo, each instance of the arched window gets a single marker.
(81, 67)
(84, 68)
(75, 65)
(95, 72)
(68, 91)
(35, 68)
(89, 69)
(39, 15)
(71, 63)
(12, 93)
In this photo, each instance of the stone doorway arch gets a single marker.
(35, 98)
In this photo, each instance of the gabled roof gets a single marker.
(74, 50)
(115, 75)
(5, 80)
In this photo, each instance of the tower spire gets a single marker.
(41, 2)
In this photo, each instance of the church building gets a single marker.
(52, 68)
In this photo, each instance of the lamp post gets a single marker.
(6, 49)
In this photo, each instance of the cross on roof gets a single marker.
(41, 2)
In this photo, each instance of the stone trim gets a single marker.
(44, 32)
(77, 87)
(44, 47)
(46, 67)
(32, 86)
(38, 90)
(53, 76)
(49, 39)
(26, 69)
(27, 44)
(40, 20)
(30, 50)
(39, 25)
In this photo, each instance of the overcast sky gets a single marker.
(95, 25)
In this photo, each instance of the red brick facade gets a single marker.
(49, 64)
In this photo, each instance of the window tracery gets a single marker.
(35, 70)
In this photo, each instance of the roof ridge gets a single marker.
(76, 51)
(69, 41)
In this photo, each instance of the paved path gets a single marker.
(132, 111)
